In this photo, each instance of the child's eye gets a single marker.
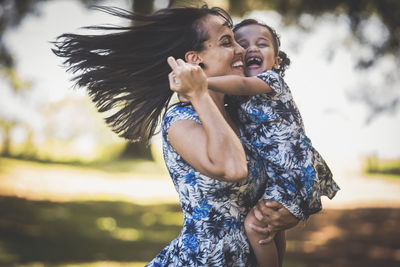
(262, 45)
(244, 45)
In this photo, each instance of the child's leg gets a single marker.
(280, 242)
(266, 254)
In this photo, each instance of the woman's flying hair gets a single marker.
(125, 70)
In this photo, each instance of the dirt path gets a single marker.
(58, 183)
(361, 191)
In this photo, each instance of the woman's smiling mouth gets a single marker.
(238, 65)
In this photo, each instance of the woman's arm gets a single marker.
(211, 147)
(238, 85)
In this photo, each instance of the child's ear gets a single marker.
(192, 57)
(277, 62)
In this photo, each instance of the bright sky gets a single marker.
(335, 124)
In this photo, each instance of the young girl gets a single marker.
(298, 176)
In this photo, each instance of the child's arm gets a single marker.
(238, 85)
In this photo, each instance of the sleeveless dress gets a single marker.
(274, 130)
(214, 211)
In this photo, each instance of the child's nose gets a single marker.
(252, 48)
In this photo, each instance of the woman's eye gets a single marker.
(228, 43)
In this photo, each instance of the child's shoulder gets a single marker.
(269, 74)
(273, 79)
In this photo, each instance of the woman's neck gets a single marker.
(219, 99)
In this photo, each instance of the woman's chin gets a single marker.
(238, 71)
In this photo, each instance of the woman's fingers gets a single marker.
(258, 214)
(172, 63)
(268, 239)
(259, 229)
(172, 81)
(288, 220)
(273, 204)
(276, 215)
(268, 233)
(180, 62)
(185, 79)
(264, 210)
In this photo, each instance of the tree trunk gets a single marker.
(7, 127)
(137, 150)
(143, 6)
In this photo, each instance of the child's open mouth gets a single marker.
(253, 62)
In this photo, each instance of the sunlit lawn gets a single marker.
(136, 167)
(96, 233)
(99, 231)
(55, 233)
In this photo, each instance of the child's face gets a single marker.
(258, 43)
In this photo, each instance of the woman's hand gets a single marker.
(188, 80)
(273, 217)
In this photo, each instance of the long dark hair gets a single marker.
(126, 71)
(285, 61)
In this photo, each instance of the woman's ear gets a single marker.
(192, 57)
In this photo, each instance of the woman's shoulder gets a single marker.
(180, 111)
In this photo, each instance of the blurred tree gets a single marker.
(358, 12)
(9, 121)
(12, 13)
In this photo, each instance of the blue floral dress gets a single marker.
(214, 211)
(274, 130)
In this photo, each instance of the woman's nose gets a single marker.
(239, 49)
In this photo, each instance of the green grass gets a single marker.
(101, 232)
(88, 264)
(98, 233)
(83, 232)
(390, 168)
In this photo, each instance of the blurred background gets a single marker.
(72, 193)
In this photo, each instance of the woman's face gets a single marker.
(222, 55)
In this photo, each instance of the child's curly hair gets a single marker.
(285, 60)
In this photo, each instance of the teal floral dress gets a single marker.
(213, 210)
(274, 130)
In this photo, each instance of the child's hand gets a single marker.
(187, 80)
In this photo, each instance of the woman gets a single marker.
(127, 73)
